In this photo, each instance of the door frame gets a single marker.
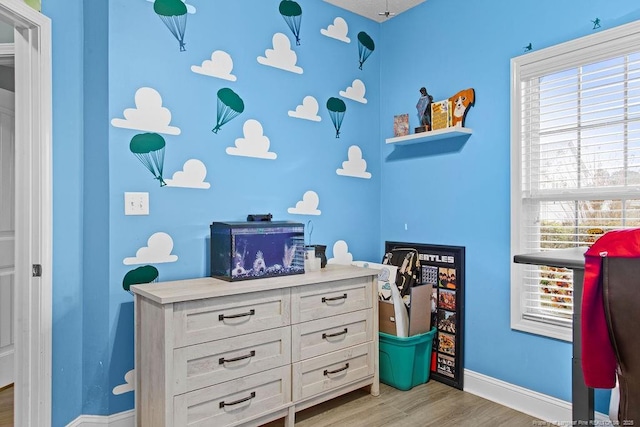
(33, 228)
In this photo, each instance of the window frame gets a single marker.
(618, 41)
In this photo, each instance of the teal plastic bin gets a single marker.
(405, 362)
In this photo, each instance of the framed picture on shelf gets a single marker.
(440, 114)
(401, 125)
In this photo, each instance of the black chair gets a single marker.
(621, 295)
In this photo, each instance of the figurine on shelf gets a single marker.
(424, 110)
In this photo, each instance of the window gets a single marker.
(575, 163)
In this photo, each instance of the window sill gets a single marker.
(547, 330)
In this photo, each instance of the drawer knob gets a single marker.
(234, 316)
(325, 299)
(336, 334)
(222, 360)
(344, 368)
(235, 402)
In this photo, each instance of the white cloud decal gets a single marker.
(192, 175)
(190, 9)
(341, 254)
(128, 383)
(308, 205)
(355, 92)
(356, 166)
(220, 65)
(308, 110)
(281, 56)
(338, 30)
(158, 250)
(254, 143)
(149, 114)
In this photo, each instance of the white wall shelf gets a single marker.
(433, 135)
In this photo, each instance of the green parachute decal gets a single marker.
(140, 275)
(149, 149)
(174, 15)
(229, 106)
(292, 14)
(365, 47)
(337, 108)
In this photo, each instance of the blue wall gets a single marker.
(454, 192)
(463, 188)
(96, 238)
(68, 187)
(104, 52)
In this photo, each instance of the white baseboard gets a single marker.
(530, 402)
(538, 405)
(122, 419)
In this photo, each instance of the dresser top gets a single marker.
(209, 287)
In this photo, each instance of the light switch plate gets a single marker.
(136, 203)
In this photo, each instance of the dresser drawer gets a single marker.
(216, 318)
(214, 362)
(233, 401)
(324, 373)
(322, 336)
(330, 299)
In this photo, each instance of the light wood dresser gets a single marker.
(217, 353)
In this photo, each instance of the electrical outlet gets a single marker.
(136, 203)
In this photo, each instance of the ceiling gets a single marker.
(372, 8)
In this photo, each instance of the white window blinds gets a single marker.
(578, 165)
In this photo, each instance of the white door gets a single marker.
(7, 235)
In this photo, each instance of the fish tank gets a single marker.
(254, 250)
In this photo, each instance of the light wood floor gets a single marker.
(6, 406)
(430, 404)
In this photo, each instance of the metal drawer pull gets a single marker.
(223, 404)
(325, 299)
(222, 360)
(233, 316)
(337, 334)
(327, 372)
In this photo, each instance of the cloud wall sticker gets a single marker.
(192, 175)
(254, 144)
(308, 205)
(220, 65)
(281, 56)
(128, 383)
(356, 166)
(355, 92)
(149, 114)
(341, 254)
(308, 110)
(338, 30)
(158, 250)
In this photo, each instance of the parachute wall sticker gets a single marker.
(229, 106)
(149, 149)
(337, 108)
(365, 47)
(292, 14)
(174, 15)
(140, 275)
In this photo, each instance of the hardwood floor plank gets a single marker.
(430, 404)
(6, 406)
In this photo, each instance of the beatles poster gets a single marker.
(443, 268)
